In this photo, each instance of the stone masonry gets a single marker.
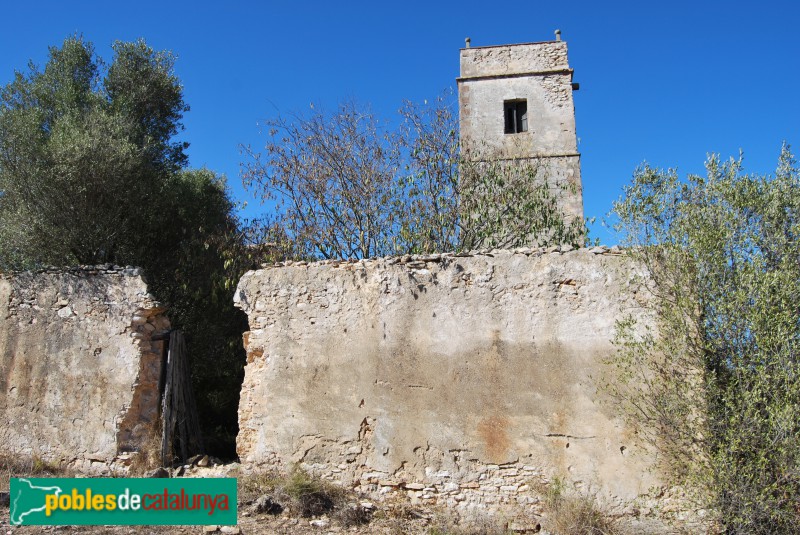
(78, 370)
(470, 380)
(538, 75)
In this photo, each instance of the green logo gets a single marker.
(122, 502)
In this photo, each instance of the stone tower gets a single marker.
(515, 102)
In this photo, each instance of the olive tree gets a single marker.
(715, 386)
(85, 152)
(91, 171)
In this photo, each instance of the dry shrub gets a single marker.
(399, 517)
(252, 486)
(14, 465)
(149, 455)
(580, 516)
(298, 492)
(353, 515)
(570, 514)
(403, 510)
(310, 496)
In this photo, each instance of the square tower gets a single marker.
(515, 104)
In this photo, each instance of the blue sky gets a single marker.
(665, 82)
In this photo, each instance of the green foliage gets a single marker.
(193, 237)
(142, 86)
(509, 203)
(74, 139)
(90, 173)
(347, 186)
(717, 390)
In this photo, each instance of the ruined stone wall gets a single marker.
(465, 380)
(78, 370)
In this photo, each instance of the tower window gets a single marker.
(516, 116)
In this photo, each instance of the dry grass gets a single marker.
(253, 485)
(352, 515)
(299, 493)
(580, 516)
(149, 455)
(573, 514)
(398, 516)
(309, 496)
(15, 465)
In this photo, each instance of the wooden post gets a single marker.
(178, 409)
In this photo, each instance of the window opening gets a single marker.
(516, 116)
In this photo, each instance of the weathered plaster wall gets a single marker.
(551, 119)
(78, 371)
(462, 380)
(538, 73)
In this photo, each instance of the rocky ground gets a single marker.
(255, 525)
(260, 513)
(383, 521)
(269, 505)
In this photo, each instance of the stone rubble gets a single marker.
(418, 260)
